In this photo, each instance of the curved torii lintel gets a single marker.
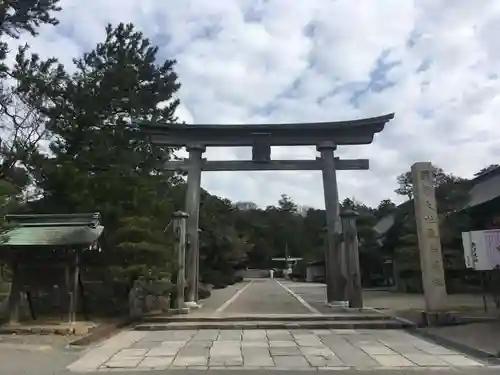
(351, 132)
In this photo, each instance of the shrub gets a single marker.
(203, 291)
(238, 279)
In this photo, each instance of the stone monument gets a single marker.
(429, 243)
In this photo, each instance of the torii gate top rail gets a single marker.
(353, 132)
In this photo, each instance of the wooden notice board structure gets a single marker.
(44, 251)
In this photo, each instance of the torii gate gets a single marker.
(326, 136)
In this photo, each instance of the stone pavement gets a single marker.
(270, 349)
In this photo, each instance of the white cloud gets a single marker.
(249, 61)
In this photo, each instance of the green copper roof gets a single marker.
(52, 230)
(52, 236)
(86, 219)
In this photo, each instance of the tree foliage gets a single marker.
(17, 17)
(21, 127)
(489, 168)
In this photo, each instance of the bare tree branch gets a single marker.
(22, 130)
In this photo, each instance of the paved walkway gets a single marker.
(314, 294)
(266, 297)
(293, 349)
(270, 349)
(254, 296)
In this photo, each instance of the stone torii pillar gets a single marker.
(335, 282)
(179, 224)
(349, 230)
(192, 222)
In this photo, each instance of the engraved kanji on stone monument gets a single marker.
(429, 243)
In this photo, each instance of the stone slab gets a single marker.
(261, 360)
(434, 349)
(144, 345)
(229, 335)
(254, 344)
(317, 351)
(198, 344)
(131, 353)
(204, 335)
(370, 350)
(377, 350)
(426, 360)
(323, 361)
(254, 352)
(184, 361)
(291, 362)
(282, 344)
(285, 351)
(123, 362)
(155, 363)
(225, 361)
(460, 361)
(163, 351)
(393, 360)
(193, 351)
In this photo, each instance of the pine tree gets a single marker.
(19, 132)
(23, 16)
(101, 162)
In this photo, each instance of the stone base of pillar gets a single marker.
(438, 318)
(182, 310)
(337, 304)
(192, 305)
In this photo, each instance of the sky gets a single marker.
(434, 63)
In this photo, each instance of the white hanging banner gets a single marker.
(482, 249)
(467, 244)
